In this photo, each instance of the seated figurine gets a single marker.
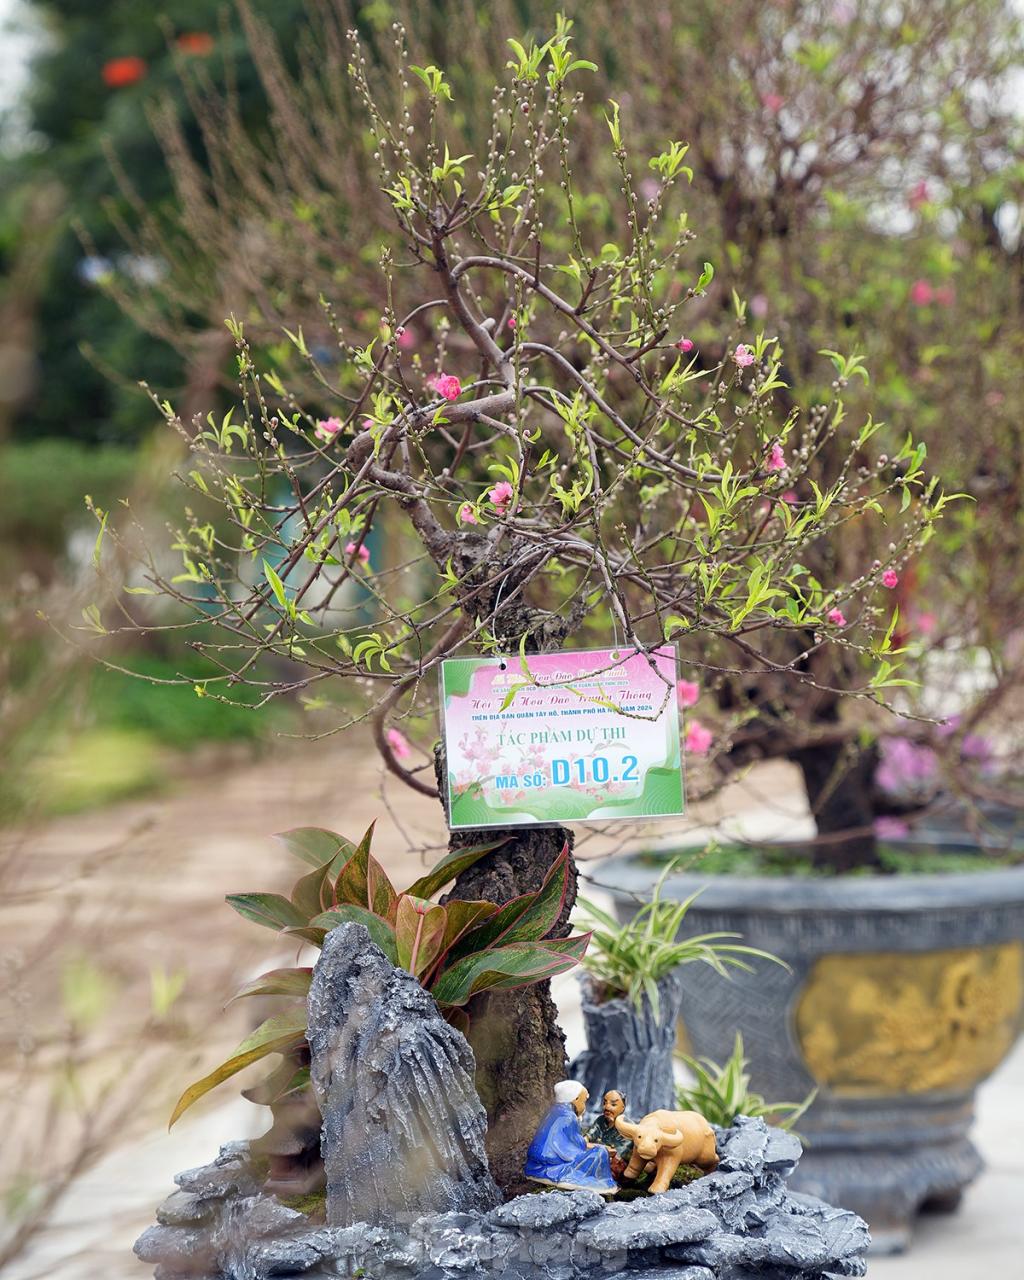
(604, 1132)
(559, 1155)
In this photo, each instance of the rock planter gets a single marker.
(630, 1049)
(739, 1223)
(904, 993)
(409, 1194)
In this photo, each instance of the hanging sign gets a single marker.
(585, 736)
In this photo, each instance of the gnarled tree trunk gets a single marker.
(840, 790)
(519, 1046)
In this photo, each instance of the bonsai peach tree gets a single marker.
(556, 464)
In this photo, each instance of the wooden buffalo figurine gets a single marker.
(668, 1139)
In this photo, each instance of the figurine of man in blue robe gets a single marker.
(559, 1155)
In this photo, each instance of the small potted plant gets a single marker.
(634, 973)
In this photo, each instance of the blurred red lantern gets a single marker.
(119, 72)
(199, 43)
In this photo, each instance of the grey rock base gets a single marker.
(739, 1223)
(889, 1187)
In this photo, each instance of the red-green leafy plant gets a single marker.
(455, 949)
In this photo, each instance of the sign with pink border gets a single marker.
(584, 736)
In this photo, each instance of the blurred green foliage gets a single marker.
(172, 715)
(42, 483)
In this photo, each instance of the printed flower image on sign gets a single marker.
(591, 735)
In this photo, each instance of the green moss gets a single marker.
(313, 1205)
(683, 1176)
(783, 860)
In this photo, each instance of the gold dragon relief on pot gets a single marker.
(910, 1021)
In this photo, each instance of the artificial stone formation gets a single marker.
(739, 1223)
(630, 1049)
(403, 1129)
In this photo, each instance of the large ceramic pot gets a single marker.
(630, 1049)
(902, 994)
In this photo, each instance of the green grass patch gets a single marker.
(93, 768)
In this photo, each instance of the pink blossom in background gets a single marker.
(773, 102)
(843, 13)
(904, 766)
(698, 738)
(925, 622)
(406, 339)
(743, 356)
(890, 578)
(973, 746)
(776, 458)
(945, 295)
(685, 345)
(327, 429)
(467, 515)
(759, 306)
(918, 195)
(362, 551)
(366, 424)
(398, 743)
(447, 385)
(687, 693)
(649, 188)
(789, 496)
(921, 293)
(836, 617)
(887, 828)
(501, 495)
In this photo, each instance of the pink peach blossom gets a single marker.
(467, 515)
(773, 102)
(501, 495)
(789, 496)
(327, 429)
(511, 322)
(447, 385)
(685, 345)
(406, 339)
(362, 551)
(687, 693)
(366, 424)
(776, 458)
(918, 195)
(921, 293)
(743, 356)
(836, 617)
(698, 738)
(890, 578)
(398, 743)
(759, 306)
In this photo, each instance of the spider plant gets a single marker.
(721, 1093)
(626, 960)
